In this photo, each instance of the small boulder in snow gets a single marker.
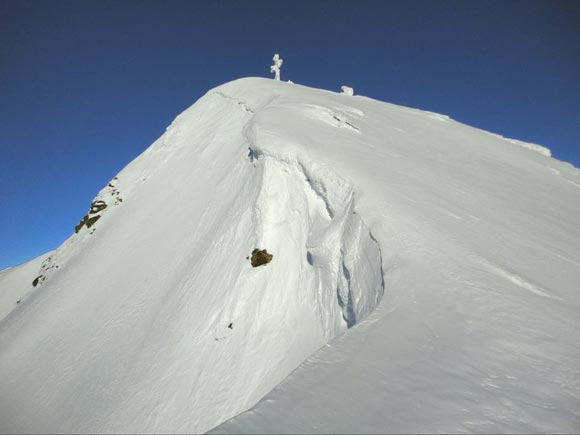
(260, 257)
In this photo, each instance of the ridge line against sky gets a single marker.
(86, 86)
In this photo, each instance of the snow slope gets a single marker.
(16, 283)
(153, 320)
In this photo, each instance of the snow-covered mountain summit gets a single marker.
(451, 256)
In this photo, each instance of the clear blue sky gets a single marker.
(86, 86)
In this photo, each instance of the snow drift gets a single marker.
(151, 318)
(153, 303)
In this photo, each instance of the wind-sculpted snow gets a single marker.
(531, 146)
(152, 318)
(424, 278)
(481, 258)
(312, 212)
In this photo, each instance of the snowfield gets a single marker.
(425, 278)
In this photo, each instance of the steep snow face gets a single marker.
(155, 321)
(150, 317)
(308, 216)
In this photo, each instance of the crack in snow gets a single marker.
(234, 99)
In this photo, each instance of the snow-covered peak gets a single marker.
(445, 259)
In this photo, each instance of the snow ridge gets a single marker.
(156, 321)
(162, 277)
